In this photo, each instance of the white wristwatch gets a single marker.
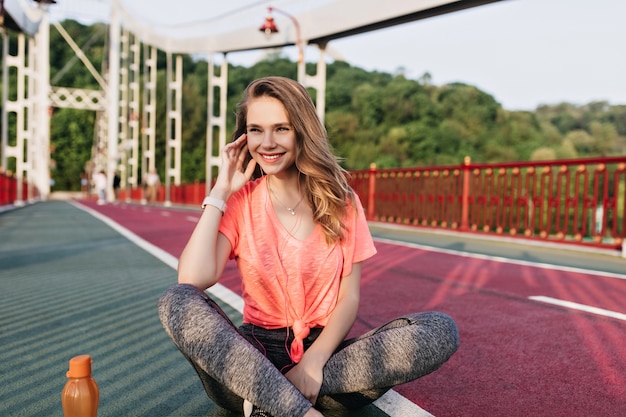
(215, 202)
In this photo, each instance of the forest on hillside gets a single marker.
(371, 117)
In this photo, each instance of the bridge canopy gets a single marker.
(21, 16)
(233, 26)
(208, 27)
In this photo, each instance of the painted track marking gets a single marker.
(502, 259)
(580, 307)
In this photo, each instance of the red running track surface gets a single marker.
(518, 357)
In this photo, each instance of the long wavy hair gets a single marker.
(323, 180)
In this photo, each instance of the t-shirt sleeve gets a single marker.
(358, 245)
(231, 221)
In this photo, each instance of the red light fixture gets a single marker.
(269, 26)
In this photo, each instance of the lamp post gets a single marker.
(269, 27)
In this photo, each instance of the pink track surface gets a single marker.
(518, 357)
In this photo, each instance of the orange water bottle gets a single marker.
(80, 395)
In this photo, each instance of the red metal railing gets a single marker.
(578, 201)
(188, 193)
(191, 194)
(8, 190)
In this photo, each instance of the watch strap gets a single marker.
(215, 202)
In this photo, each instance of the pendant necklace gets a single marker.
(291, 210)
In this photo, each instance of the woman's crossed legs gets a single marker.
(362, 369)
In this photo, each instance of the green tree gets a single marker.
(605, 138)
(582, 141)
(543, 154)
(475, 110)
(367, 103)
(566, 150)
(72, 139)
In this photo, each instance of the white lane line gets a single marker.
(396, 405)
(501, 259)
(226, 295)
(392, 403)
(580, 307)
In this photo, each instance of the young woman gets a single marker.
(282, 209)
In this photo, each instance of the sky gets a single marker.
(524, 53)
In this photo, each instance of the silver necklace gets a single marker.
(291, 210)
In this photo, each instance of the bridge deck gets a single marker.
(71, 283)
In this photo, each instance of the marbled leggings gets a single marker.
(232, 366)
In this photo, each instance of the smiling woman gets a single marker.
(299, 236)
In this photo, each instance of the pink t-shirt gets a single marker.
(286, 281)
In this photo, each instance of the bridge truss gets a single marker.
(125, 103)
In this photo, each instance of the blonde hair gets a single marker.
(324, 183)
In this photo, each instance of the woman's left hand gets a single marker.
(307, 378)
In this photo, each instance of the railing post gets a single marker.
(465, 196)
(4, 188)
(371, 193)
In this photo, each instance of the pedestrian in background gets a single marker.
(117, 182)
(84, 185)
(100, 182)
(152, 186)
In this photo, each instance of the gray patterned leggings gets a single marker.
(232, 363)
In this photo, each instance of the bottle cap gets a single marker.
(80, 367)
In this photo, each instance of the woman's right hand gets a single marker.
(202, 261)
(232, 175)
